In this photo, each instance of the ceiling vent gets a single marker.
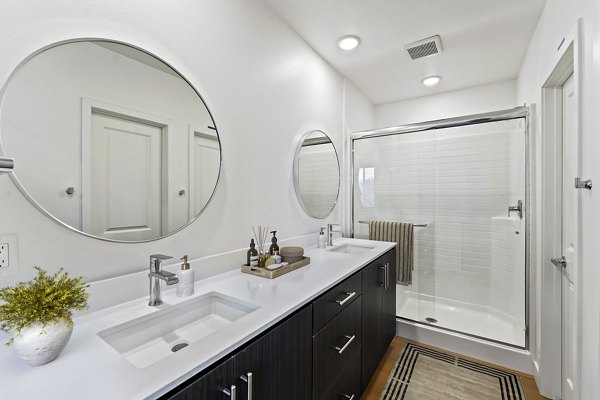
(424, 48)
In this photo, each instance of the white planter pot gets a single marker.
(38, 344)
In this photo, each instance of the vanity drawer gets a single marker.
(335, 348)
(335, 300)
(347, 385)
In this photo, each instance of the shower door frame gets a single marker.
(474, 119)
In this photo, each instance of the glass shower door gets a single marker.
(456, 185)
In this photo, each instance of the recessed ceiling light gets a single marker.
(348, 43)
(431, 80)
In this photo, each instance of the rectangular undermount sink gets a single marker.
(148, 339)
(348, 248)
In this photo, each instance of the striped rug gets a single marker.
(426, 374)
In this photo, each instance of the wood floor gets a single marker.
(377, 384)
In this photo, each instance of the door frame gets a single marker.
(193, 131)
(547, 361)
(90, 106)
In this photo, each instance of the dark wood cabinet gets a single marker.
(336, 350)
(378, 312)
(328, 350)
(334, 301)
(276, 366)
(280, 363)
(210, 386)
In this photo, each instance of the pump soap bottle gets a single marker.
(185, 286)
(274, 246)
(322, 241)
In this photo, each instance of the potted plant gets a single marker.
(38, 313)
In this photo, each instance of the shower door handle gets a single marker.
(518, 208)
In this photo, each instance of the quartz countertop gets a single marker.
(89, 368)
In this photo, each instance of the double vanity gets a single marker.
(315, 333)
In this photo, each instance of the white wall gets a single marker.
(263, 84)
(558, 21)
(473, 100)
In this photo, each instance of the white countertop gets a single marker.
(88, 368)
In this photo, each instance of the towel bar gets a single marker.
(415, 225)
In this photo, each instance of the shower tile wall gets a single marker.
(460, 181)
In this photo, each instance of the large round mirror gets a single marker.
(109, 140)
(317, 174)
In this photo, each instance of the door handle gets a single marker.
(583, 183)
(386, 276)
(518, 208)
(559, 262)
(339, 349)
(248, 379)
(230, 392)
(348, 297)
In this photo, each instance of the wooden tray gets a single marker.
(265, 273)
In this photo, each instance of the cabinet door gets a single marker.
(278, 365)
(378, 312)
(209, 386)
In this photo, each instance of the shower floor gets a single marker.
(459, 316)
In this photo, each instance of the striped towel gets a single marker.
(402, 234)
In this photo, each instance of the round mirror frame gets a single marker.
(297, 174)
(38, 206)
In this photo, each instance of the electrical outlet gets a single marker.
(4, 260)
(9, 251)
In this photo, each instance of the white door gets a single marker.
(570, 228)
(125, 179)
(205, 159)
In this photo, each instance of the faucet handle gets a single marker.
(161, 257)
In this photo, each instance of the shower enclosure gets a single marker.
(462, 183)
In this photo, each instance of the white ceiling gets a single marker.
(484, 40)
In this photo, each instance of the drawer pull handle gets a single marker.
(348, 297)
(248, 379)
(230, 392)
(347, 396)
(340, 350)
(386, 276)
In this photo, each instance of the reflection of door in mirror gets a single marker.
(205, 156)
(62, 86)
(125, 179)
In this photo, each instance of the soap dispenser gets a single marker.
(274, 246)
(322, 241)
(185, 286)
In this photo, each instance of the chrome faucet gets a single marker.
(156, 275)
(330, 233)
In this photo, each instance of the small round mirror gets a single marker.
(317, 174)
(109, 140)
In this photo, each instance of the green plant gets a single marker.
(44, 299)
